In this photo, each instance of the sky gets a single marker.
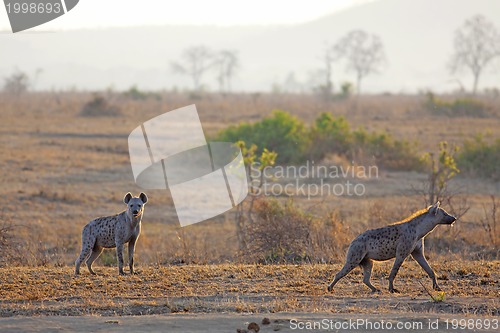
(89, 14)
(73, 52)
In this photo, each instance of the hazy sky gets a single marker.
(105, 13)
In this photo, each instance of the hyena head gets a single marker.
(439, 215)
(135, 205)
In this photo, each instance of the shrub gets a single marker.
(99, 107)
(279, 233)
(467, 107)
(288, 136)
(328, 135)
(17, 83)
(283, 233)
(346, 90)
(385, 151)
(137, 95)
(478, 158)
(281, 132)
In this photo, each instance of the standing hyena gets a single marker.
(397, 240)
(113, 231)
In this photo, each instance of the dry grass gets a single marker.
(59, 170)
(470, 288)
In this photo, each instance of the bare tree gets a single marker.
(363, 52)
(476, 44)
(226, 63)
(321, 79)
(17, 83)
(291, 84)
(196, 61)
(328, 58)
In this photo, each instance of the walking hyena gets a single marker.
(113, 231)
(397, 240)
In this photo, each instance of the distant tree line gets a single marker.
(476, 47)
(196, 61)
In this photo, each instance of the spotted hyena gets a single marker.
(398, 240)
(113, 231)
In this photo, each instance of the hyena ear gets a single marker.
(434, 208)
(127, 198)
(143, 197)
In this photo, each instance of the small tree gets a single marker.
(476, 44)
(441, 170)
(253, 162)
(226, 63)
(491, 220)
(329, 57)
(364, 54)
(195, 62)
(17, 83)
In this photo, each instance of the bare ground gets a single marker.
(282, 322)
(227, 297)
(470, 288)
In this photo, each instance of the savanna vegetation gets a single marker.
(65, 161)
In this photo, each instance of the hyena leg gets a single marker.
(81, 258)
(87, 244)
(400, 258)
(418, 255)
(343, 272)
(96, 252)
(119, 255)
(354, 257)
(131, 248)
(367, 265)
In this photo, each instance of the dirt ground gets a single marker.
(282, 322)
(226, 297)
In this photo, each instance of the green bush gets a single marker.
(478, 158)
(328, 135)
(294, 143)
(281, 132)
(138, 95)
(460, 107)
(386, 151)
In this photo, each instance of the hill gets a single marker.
(417, 36)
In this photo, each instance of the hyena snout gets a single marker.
(449, 219)
(136, 209)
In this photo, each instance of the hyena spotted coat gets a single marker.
(113, 231)
(398, 241)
